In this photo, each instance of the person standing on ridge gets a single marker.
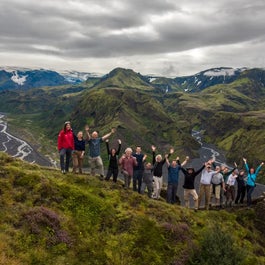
(113, 154)
(205, 184)
(251, 179)
(158, 163)
(139, 169)
(127, 162)
(78, 153)
(65, 146)
(94, 158)
(189, 188)
(173, 178)
(241, 187)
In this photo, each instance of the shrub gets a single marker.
(217, 248)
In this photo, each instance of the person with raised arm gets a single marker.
(94, 158)
(189, 188)
(65, 146)
(113, 154)
(139, 169)
(205, 184)
(158, 163)
(173, 178)
(251, 179)
(241, 187)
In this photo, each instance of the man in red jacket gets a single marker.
(65, 146)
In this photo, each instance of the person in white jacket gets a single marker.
(205, 184)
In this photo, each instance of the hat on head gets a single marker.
(67, 122)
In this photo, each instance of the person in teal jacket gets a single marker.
(251, 179)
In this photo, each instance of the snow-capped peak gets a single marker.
(20, 80)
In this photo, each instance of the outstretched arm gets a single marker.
(246, 164)
(259, 167)
(119, 148)
(199, 170)
(185, 161)
(107, 146)
(168, 163)
(87, 133)
(154, 154)
(106, 136)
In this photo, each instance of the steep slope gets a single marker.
(50, 218)
(231, 115)
(139, 117)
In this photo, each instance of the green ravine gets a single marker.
(50, 218)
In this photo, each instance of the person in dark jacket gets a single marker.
(78, 153)
(138, 170)
(241, 187)
(147, 179)
(188, 186)
(113, 154)
(65, 146)
(158, 163)
(173, 179)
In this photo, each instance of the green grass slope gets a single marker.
(49, 218)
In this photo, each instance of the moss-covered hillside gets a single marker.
(50, 218)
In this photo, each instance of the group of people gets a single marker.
(216, 183)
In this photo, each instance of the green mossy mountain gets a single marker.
(230, 115)
(124, 78)
(50, 218)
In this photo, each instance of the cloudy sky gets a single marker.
(163, 37)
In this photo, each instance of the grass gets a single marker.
(50, 218)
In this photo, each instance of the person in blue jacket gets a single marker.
(173, 178)
(251, 179)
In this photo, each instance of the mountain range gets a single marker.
(226, 104)
(25, 78)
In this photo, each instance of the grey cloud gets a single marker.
(113, 29)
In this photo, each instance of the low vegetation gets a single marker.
(50, 218)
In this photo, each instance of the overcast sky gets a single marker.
(163, 37)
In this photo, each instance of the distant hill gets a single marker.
(199, 81)
(24, 78)
(124, 78)
(50, 218)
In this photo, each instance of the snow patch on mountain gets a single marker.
(20, 80)
(78, 77)
(223, 72)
